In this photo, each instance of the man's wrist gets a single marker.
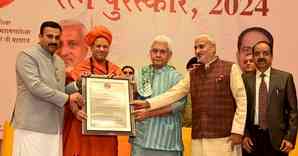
(79, 85)
(147, 105)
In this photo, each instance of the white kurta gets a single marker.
(30, 143)
(215, 147)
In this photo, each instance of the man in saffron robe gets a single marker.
(75, 144)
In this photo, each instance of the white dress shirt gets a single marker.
(258, 83)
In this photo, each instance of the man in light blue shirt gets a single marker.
(158, 131)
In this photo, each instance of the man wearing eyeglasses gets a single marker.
(128, 71)
(158, 131)
(218, 102)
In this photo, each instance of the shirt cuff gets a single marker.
(237, 130)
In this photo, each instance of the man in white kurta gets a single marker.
(219, 102)
(41, 96)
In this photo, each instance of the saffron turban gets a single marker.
(98, 31)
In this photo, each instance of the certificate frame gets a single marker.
(109, 111)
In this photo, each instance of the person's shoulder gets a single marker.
(28, 53)
(280, 72)
(82, 65)
(144, 71)
(249, 75)
(31, 50)
(227, 62)
(58, 58)
(174, 72)
(146, 67)
(84, 62)
(114, 66)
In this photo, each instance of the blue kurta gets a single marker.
(159, 133)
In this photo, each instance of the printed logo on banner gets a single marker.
(4, 3)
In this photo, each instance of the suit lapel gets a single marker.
(252, 80)
(253, 87)
(272, 83)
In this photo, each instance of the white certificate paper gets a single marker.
(107, 106)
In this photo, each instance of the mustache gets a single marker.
(261, 60)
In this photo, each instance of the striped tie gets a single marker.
(263, 103)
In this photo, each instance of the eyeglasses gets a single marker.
(199, 47)
(130, 73)
(155, 50)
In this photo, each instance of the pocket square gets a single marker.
(277, 90)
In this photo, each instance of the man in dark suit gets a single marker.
(271, 125)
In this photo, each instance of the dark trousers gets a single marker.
(262, 144)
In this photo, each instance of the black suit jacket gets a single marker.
(282, 108)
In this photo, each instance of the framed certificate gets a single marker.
(107, 105)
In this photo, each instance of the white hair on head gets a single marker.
(208, 37)
(163, 39)
(73, 22)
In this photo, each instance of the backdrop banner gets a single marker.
(134, 23)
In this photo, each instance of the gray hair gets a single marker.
(74, 23)
(163, 39)
(208, 37)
